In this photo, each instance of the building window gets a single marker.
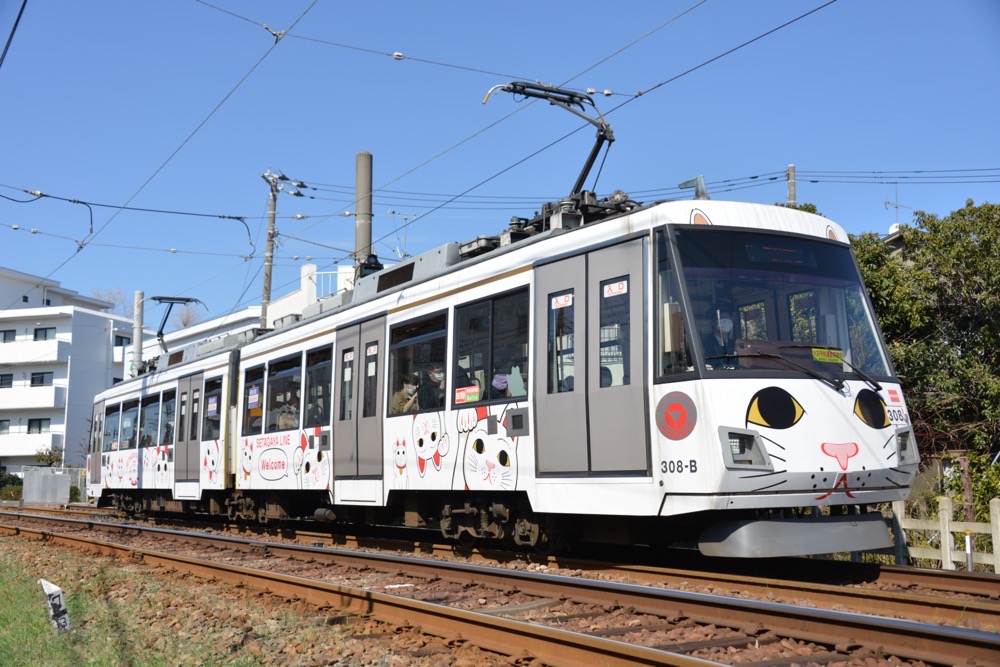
(41, 379)
(122, 341)
(6, 380)
(7, 335)
(45, 333)
(38, 425)
(4, 426)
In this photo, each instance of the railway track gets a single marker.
(962, 599)
(555, 618)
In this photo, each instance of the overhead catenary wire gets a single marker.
(169, 158)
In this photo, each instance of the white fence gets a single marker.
(945, 530)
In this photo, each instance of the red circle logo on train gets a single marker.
(676, 415)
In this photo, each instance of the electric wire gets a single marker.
(17, 21)
(163, 165)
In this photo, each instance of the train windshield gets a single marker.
(778, 303)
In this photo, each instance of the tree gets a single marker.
(122, 305)
(937, 297)
(185, 316)
(49, 457)
(805, 206)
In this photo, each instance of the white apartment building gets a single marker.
(58, 349)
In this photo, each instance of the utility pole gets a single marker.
(363, 210)
(272, 205)
(790, 173)
(137, 324)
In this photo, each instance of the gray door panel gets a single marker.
(96, 440)
(348, 358)
(560, 423)
(186, 466)
(616, 348)
(371, 399)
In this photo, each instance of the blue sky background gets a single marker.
(180, 106)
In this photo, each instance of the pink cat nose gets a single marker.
(842, 451)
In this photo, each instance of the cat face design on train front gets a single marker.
(836, 459)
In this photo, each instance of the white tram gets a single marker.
(686, 370)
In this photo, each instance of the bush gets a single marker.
(74, 494)
(11, 492)
(8, 479)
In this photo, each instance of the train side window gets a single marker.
(347, 385)
(417, 351)
(491, 349)
(284, 382)
(369, 405)
(802, 316)
(130, 424)
(112, 420)
(614, 332)
(182, 416)
(195, 396)
(253, 401)
(96, 433)
(561, 355)
(211, 429)
(149, 420)
(753, 321)
(319, 385)
(673, 352)
(167, 418)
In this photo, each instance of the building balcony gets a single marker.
(28, 398)
(34, 351)
(27, 444)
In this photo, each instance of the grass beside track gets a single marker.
(125, 614)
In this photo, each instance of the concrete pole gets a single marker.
(791, 185)
(137, 325)
(272, 205)
(363, 210)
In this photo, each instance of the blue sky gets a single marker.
(181, 106)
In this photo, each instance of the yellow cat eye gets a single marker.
(774, 407)
(870, 408)
(503, 459)
(478, 447)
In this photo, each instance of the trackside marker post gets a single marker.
(58, 614)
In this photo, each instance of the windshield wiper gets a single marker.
(857, 371)
(836, 383)
(864, 376)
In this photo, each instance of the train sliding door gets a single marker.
(186, 468)
(590, 391)
(357, 423)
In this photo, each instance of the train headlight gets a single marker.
(743, 449)
(906, 447)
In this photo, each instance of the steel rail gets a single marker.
(551, 646)
(929, 642)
